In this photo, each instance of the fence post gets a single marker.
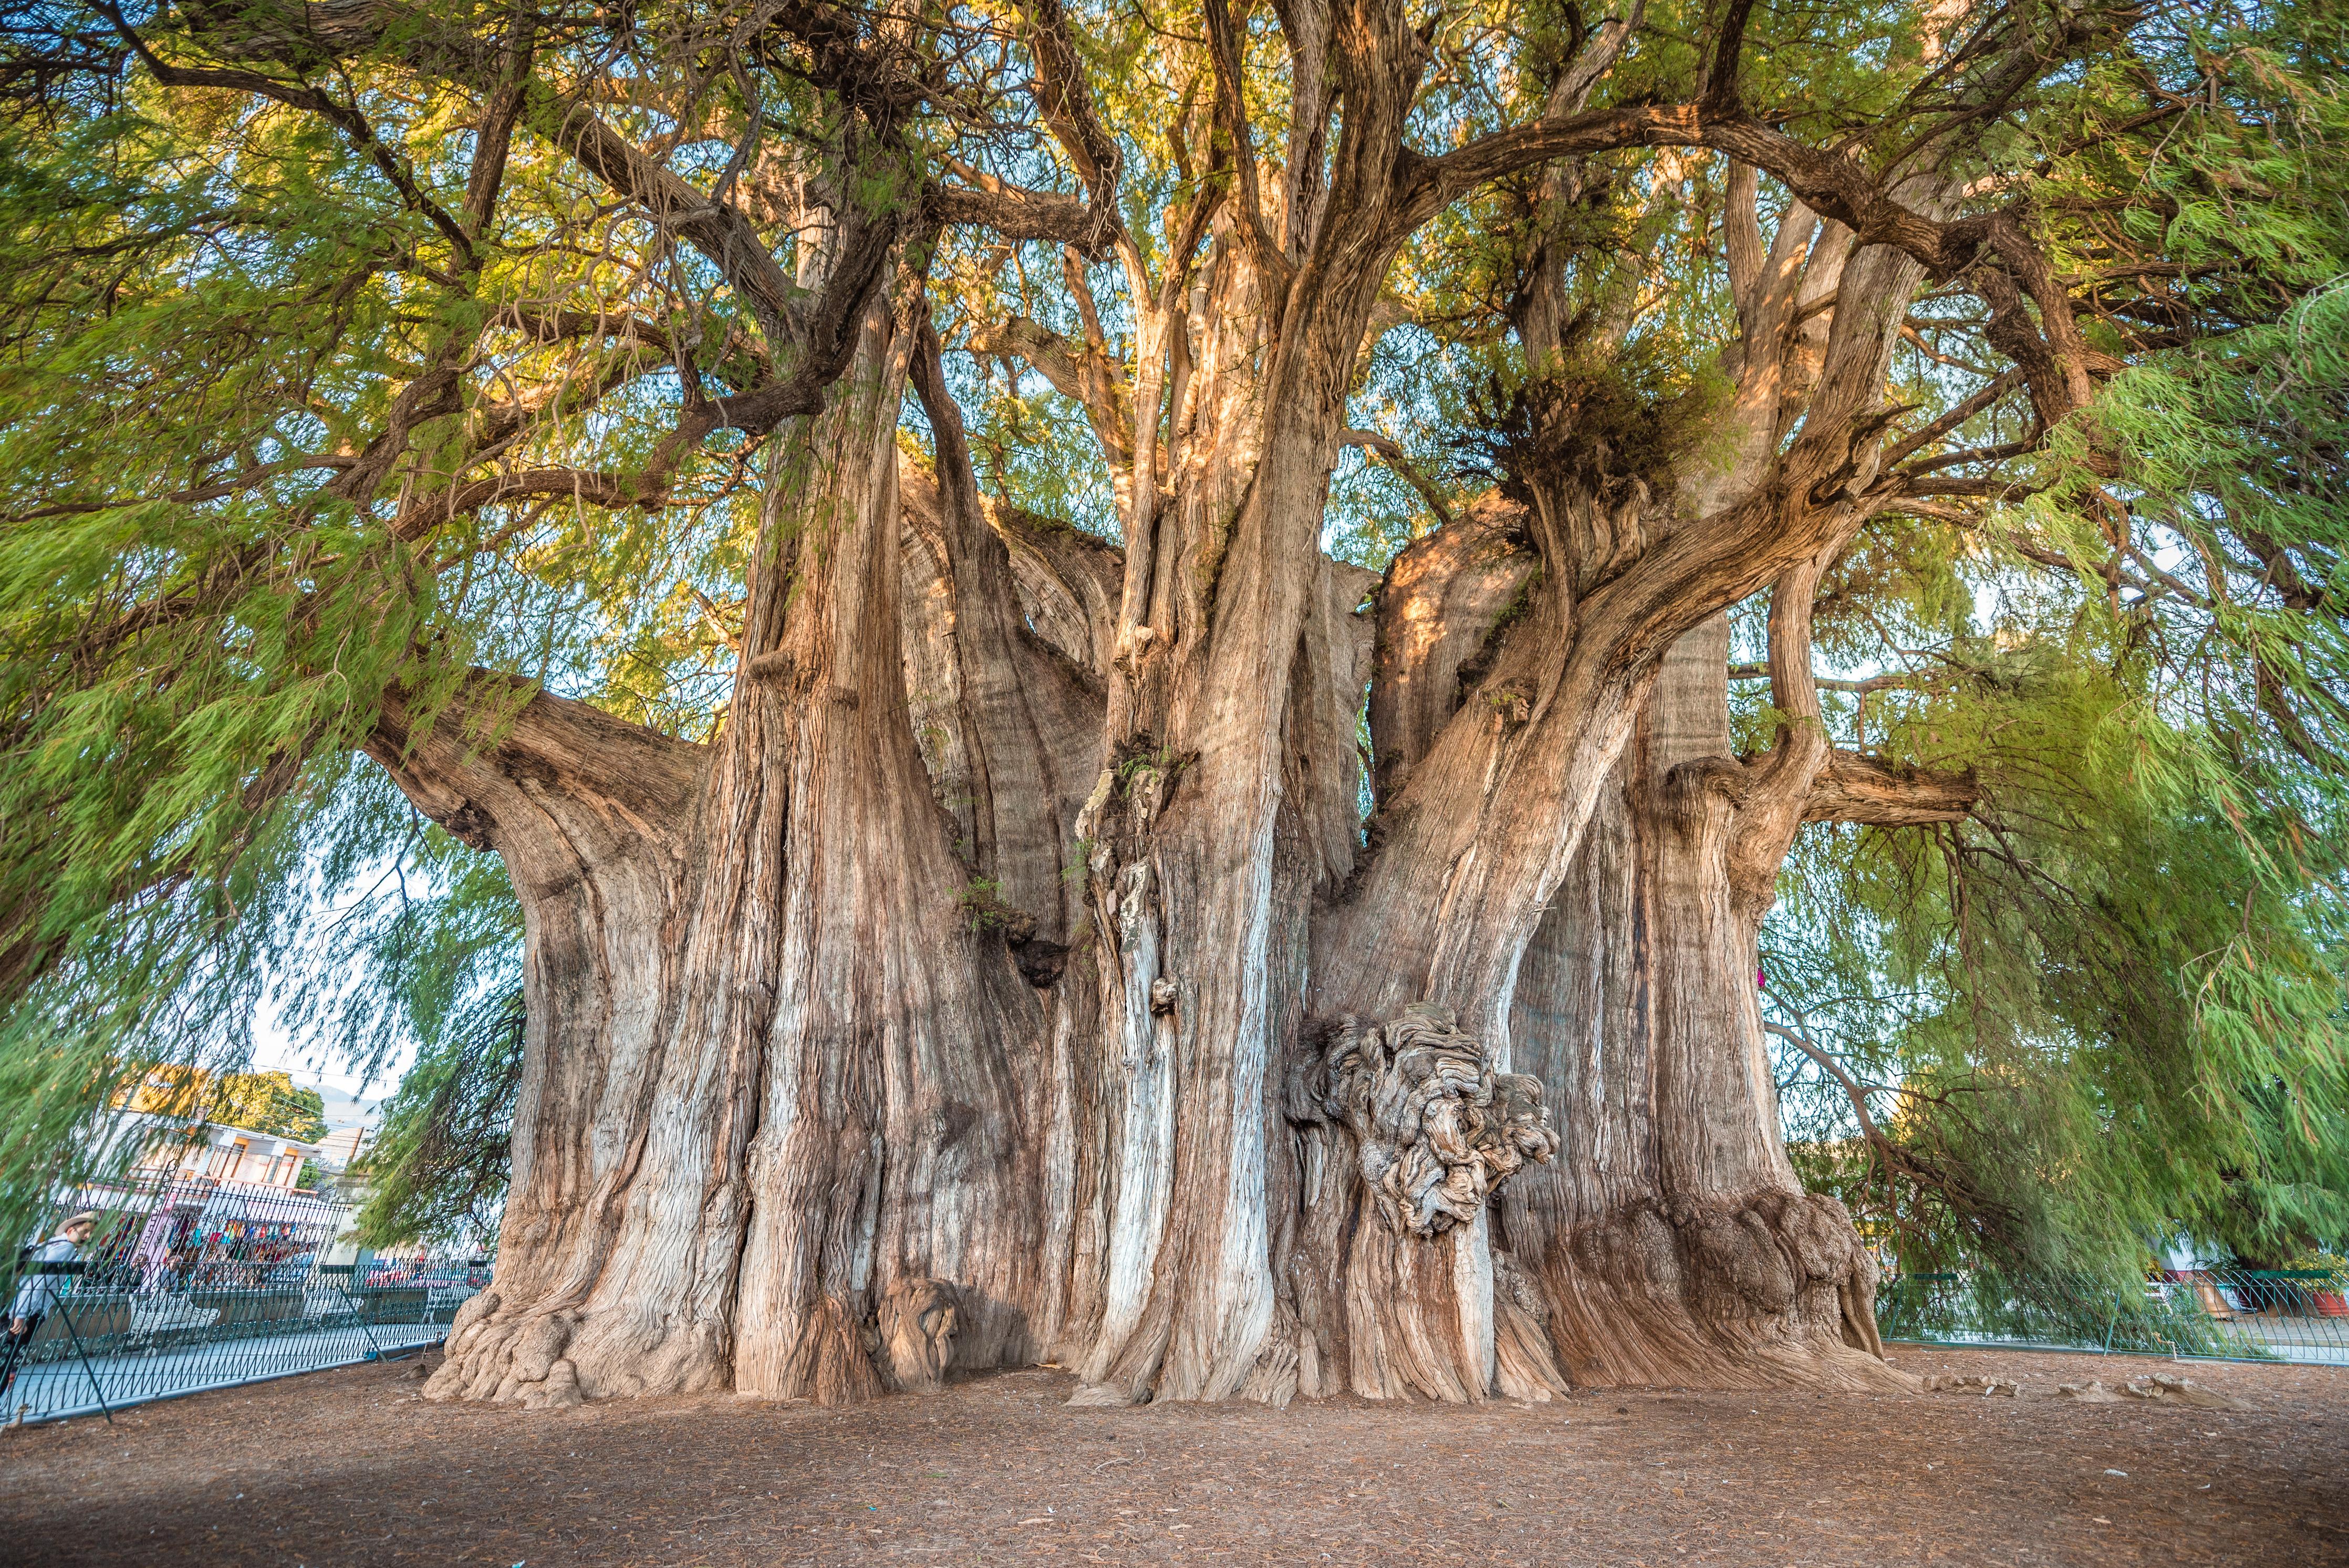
(349, 1271)
(65, 1315)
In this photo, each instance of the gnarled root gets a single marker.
(516, 1360)
(1417, 1303)
(553, 1360)
(1775, 1290)
(1436, 1130)
(917, 1323)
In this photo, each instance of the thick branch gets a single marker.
(1729, 44)
(1855, 787)
(1898, 681)
(497, 761)
(1065, 100)
(1018, 214)
(716, 229)
(587, 486)
(1572, 89)
(1231, 119)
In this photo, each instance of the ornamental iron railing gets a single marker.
(2231, 1314)
(190, 1284)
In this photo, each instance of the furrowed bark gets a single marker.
(1180, 883)
(815, 1097)
(1758, 1282)
(847, 1113)
(594, 820)
(1012, 975)
(889, 1141)
(1013, 744)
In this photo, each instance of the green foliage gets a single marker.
(211, 304)
(439, 1169)
(983, 908)
(2105, 1021)
(181, 672)
(2109, 1010)
(426, 934)
(271, 1102)
(1142, 765)
(259, 1102)
(428, 951)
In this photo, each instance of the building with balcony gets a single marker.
(212, 1152)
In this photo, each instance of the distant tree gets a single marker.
(273, 1102)
(269, 1102)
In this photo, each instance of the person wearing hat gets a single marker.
(37, 1293)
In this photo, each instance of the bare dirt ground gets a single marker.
(350, 1467)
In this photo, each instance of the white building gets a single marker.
(169, 1146)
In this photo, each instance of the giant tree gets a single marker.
(924, 898)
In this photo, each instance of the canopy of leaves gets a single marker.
(324, 378)
(2109, 1011)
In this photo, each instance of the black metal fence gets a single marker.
(190, 1284)
(2233, 1314)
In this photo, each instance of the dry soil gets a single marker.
(349, 1468)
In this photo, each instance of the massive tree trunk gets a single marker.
(1005, 616)
(779, 1047)
(594, 819)
(1497, 740)
(1673, 1242)
(1015, 976)
(1074, 1010)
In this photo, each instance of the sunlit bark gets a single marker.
(1015, 975)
